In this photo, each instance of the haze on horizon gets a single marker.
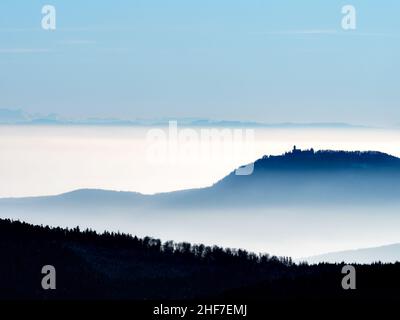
(268, 61)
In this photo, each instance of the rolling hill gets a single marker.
(305, 177)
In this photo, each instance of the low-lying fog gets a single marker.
(293, 232)
(48, 160)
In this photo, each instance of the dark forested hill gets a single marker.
(323, 177)
(118, 266)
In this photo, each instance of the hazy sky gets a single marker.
(263, 60)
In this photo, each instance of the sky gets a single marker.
(248, 60)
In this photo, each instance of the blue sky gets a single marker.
(270, 61)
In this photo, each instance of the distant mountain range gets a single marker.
(19, 117)
(384, 254)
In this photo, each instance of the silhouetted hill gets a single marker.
(118, 266)
(114, 265)
(297, 177)
(309, 177)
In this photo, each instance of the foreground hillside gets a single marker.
(118, 266)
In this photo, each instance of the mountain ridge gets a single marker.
(20, 117)
(300, 169)
(384, 253)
